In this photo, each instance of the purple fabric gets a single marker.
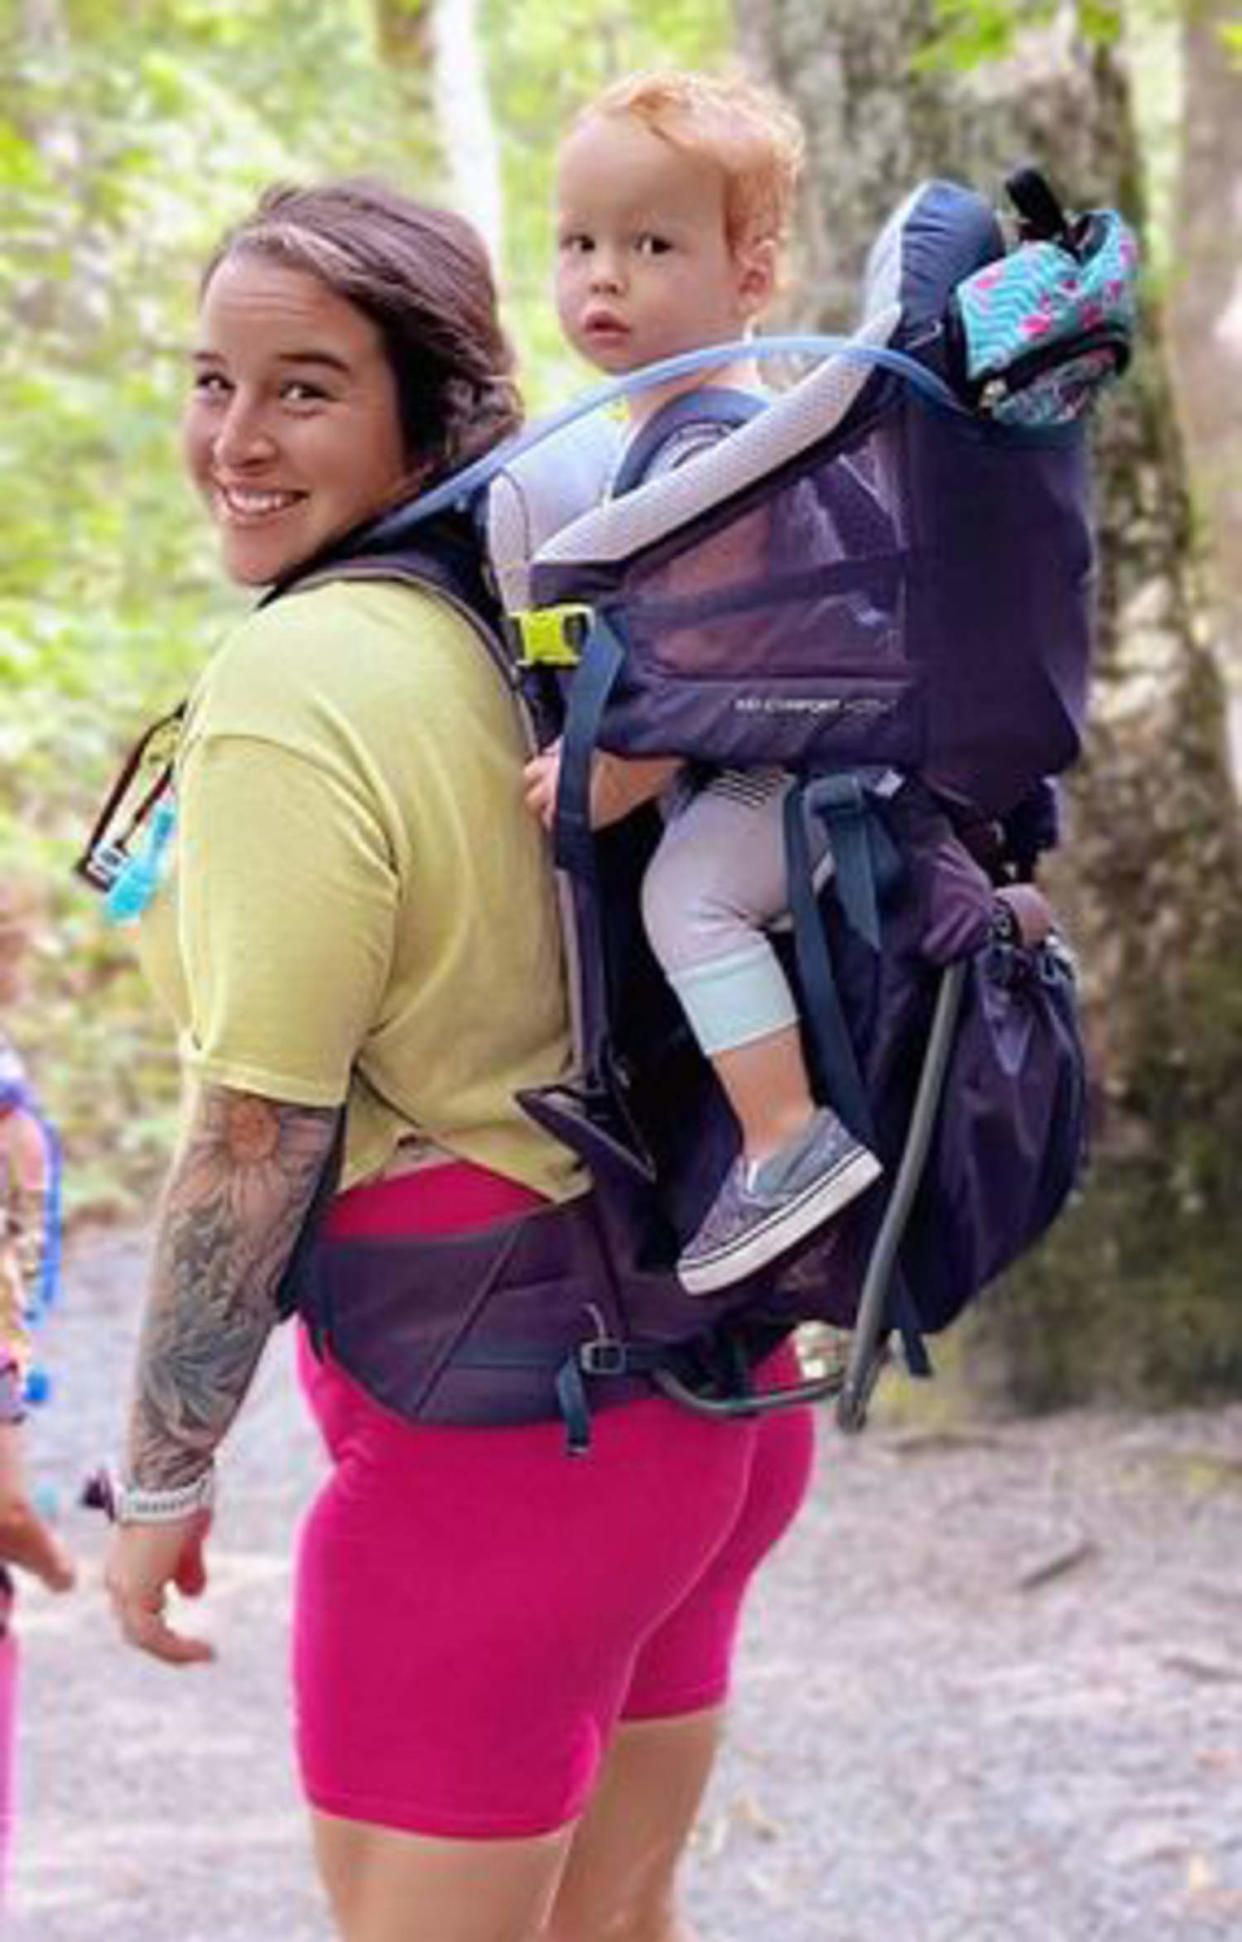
(477, 1328)
(918, 592)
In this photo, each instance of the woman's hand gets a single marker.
(143, 1561)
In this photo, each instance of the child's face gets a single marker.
(644, 266)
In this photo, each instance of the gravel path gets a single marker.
(991, 1691)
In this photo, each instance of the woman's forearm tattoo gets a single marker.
(236, 1198)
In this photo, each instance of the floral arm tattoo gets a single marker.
(236, 1198)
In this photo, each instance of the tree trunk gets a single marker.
(464, 118)
(432, 48)
(1135, 1292)
(405, 41)
(1205, 315)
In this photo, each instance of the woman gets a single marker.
(509, 1667)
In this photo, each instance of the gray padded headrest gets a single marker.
(796, 419)
(542, 491)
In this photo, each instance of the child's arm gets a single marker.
(25, 1539)
(28, 1170)
(619, 783)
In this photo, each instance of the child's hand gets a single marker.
(541, 780)
(26, 1541)
(622, 783)
(619, 784)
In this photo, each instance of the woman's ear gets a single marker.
(755, 263)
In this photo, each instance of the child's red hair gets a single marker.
(747, 131)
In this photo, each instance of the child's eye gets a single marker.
(649, 244)
(210, 384)
(576, 243)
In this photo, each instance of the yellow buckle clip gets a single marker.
(552, 637)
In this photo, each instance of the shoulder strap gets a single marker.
(711, 408)
(444, 554)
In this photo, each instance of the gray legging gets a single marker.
(714, 885)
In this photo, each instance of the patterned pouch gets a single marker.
(1035, 334)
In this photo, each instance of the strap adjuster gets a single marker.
(552, 637)
(603, 1356)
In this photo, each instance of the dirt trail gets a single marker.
(991, 1692)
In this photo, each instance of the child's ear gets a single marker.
(756, 275)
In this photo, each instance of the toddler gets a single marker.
(674, 194)
(24, 1538)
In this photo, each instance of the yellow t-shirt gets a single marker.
(361, 907)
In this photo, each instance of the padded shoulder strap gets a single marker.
(712, 408)
(443, 554)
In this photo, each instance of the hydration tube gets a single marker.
(457, 491)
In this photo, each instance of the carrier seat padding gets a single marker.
(543, 490)
(791, 424)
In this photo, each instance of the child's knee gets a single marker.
(687, 923)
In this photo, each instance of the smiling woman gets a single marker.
(292, 432)
(500, 1724)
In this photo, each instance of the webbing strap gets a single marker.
(570, 1371)
(847, 817)
(602, 655)
(841, 804)
(821, 1005)
(573, 838)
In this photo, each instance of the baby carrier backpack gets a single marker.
(881, 581)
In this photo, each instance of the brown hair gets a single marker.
(751, 135)
(423, 278)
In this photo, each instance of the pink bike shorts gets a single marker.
(476, 1611)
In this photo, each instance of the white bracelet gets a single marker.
(130, 1504)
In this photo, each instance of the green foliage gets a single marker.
(128, 139)
(968, 33)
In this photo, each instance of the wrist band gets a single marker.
(130, 1504)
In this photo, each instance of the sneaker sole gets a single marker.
(782, 1230)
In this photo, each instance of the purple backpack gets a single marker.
(897, 595)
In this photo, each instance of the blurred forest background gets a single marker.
(132, 131)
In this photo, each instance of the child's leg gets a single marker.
(8, 1724)
(717, 878)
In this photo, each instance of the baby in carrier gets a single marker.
(674, 198)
